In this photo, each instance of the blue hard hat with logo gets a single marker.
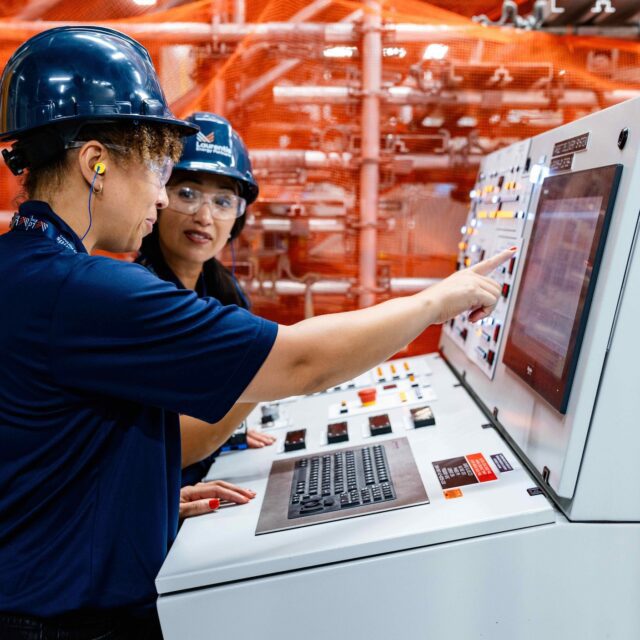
(65, 77)
(219, 150)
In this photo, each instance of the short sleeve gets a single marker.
(119, 331)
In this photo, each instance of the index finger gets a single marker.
(485, 267)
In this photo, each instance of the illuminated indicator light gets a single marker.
(493, 214)
(467, 261)
(505, 214)
(393, 369)
(482, 214)
(411, 377)
(462, 246)
(478, 332)
(406, 366)
(379, 371)
(463, 230)
(403, 396)
(450, 494)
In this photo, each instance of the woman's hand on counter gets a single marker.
(257, 439)
(205, 497)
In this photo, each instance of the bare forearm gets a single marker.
(341, 346)
(332, 348)
(321, 352)
(200, 439)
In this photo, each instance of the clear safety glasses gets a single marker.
(222, 204)
(161, 169)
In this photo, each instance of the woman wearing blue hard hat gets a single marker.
(98, 357)
(90, 456)
(209, 191)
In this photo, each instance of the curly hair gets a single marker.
(142, 142)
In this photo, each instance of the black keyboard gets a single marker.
(340, 480)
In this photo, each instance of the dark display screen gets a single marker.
(559, 278)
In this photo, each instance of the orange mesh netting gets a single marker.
(450, 93)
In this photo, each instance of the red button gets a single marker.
(505, 290)
(367, 396)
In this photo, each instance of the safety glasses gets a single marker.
(222, 204)
(160, 169)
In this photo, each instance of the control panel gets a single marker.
(499, 206)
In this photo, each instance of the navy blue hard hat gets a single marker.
(69, 76)
(219, 150)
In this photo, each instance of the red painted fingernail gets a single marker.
(513, 248)
(214, 503)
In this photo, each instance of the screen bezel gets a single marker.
(519, 348)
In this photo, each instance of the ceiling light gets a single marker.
(394, 52)
(435, 51)
(340, 52)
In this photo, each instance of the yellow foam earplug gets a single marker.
(99, 168)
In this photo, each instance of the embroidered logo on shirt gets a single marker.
(28, 223)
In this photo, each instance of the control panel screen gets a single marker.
(550, 315)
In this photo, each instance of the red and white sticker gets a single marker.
(481, 467)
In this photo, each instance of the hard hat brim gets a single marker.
(185, 128)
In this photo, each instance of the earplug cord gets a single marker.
(95, 175)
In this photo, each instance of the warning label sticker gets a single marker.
(454, 472)
(464, 470)
(481, 467)
(502, 464)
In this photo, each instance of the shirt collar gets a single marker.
(43, 211)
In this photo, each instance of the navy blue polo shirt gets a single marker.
(97, 358)
(154, 260)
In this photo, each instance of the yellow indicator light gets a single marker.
(482, 214)
(403, 396)
(406, 366)
(505, 214)
(493, 214)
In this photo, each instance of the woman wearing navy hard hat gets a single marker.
(98, 357)
(209, 191)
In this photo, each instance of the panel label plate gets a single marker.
(562, 163)
(571, 145)
(454, 472)
(501, 462)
